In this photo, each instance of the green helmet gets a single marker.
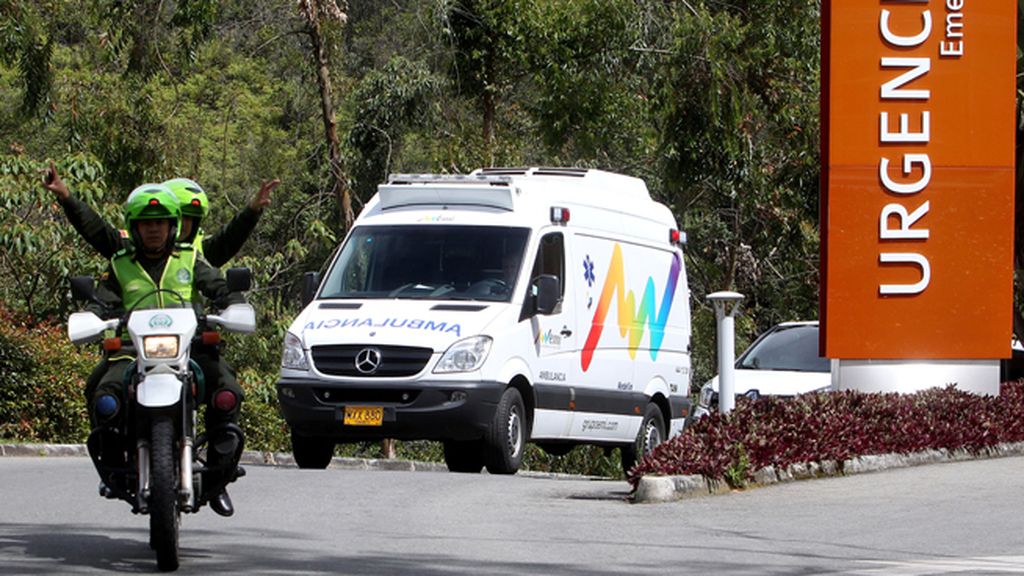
(152, 202)
(193, 199)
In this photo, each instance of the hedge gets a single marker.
(836, 426)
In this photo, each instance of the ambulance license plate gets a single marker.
(364, 415)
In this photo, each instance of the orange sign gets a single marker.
(918, 176)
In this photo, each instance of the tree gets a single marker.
(488, 39)
(317, 14)
(39, 251)
(740, 142)
(24, 42)
(389, 102)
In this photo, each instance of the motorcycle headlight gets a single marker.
(464, 356)
(293, 357)
(160, 346)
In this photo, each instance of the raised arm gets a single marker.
(221, 247)
(103, 237)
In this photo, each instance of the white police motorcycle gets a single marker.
(164, 468)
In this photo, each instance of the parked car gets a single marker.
(783, 361)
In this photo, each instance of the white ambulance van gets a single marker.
(492, 309)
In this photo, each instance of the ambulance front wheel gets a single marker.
(311, 452)
(506, 440)
(652, 433)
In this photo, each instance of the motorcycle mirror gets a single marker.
(239, 279)
(83, 289)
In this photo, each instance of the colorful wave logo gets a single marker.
(631, 319)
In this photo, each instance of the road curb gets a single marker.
(249, 457)
(656, 489)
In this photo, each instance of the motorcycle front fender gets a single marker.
(159, 391)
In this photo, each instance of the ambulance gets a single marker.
(488, 310)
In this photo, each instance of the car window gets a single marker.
(786, 348)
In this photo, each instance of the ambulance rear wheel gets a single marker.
(464, 456)
(506, 440)
(652, 433)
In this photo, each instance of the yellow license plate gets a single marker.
(364, 415)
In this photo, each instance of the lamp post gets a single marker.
(726, 304)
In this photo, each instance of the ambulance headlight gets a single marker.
(293, 357)
(465, 355)
(160, 346)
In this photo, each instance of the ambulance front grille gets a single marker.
(375, 361)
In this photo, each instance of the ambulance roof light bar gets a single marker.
(492, 179)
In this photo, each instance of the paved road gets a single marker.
(961, 518)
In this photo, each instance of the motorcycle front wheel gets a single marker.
(164, 513)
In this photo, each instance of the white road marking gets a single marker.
(991, 564)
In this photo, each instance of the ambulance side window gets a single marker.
(551, 259)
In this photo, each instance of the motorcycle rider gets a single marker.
(153, 259)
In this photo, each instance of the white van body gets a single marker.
(428, 314)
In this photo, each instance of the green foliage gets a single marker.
(24, 41)
(38, 249)
(587, 460)
(738, 471)
(591, 100)
(740, 124)
(41, 381)
(260, 419)
(390, 102)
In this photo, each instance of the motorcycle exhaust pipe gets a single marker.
(187, 489)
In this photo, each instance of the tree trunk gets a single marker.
(339, 179)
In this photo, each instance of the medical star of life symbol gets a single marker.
(588, 270)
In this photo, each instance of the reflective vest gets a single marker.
(137, 286)
(197, 242)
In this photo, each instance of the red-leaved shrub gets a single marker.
(836, 426)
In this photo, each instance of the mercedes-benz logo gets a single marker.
(368, 360)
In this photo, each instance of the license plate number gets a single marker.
(364, 415)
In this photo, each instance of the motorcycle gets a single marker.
(162, 468)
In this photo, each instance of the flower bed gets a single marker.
(836, 426)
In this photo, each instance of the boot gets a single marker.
(221, 503)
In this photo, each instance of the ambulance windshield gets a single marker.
(433, 262)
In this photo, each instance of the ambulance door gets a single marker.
(555, 342)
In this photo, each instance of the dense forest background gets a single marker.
(714, 104)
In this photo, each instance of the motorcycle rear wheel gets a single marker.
(164, 513)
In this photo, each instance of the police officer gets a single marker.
(218, 248)
(154, 260)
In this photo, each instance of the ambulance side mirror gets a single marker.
(547, 293)
(310, 283)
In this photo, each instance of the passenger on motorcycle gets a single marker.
(218, 248)
(153, 259)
